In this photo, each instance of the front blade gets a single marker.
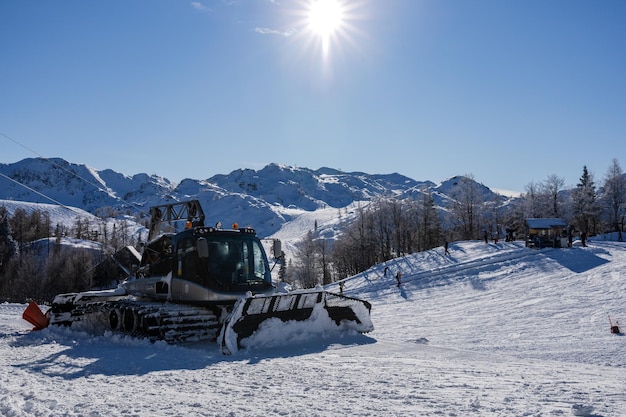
(248, 314)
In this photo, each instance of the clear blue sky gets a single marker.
(508, 91)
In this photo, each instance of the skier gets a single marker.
(399, 278)
(445, 245)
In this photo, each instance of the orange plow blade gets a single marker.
(34, 316)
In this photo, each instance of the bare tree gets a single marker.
(531, 201)
(356, 248)
(323, 249)
(398, 224)
(430, 231)
(614, 197)
(544, 199)
(305, 269)
(382, 222)
(467, 206)
(551, 189)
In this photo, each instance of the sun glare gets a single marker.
(325, 17)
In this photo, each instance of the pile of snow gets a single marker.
(490, 330)
(274, 333)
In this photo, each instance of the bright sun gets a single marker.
(325, 17)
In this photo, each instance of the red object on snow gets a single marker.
(34, 316)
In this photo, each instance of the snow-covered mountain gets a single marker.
(55, 180)
(270, 192)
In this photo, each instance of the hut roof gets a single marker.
(545, 223)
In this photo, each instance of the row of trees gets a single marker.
(384, 230)
(30, 276)
(389, 227)
(29, 226)
(588, 207)
(35, 262)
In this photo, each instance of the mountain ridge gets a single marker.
(228, 197)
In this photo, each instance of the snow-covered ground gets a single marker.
(325, 221)
(490, 330)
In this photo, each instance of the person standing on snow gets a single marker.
(399, 277)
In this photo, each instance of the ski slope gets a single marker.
(490, 330)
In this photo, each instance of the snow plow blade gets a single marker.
(34, 316)
(248, 313)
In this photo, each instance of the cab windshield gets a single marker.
(231, 263)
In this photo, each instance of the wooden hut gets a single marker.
(546, 232)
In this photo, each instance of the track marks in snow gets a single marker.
(532, 340)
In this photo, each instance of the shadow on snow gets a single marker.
(78, 354)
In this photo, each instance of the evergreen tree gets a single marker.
(58, 236)
(29, 275)
(282, 270)
(8, 253)
(584, 204)
(8, 246)
(19, 226)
